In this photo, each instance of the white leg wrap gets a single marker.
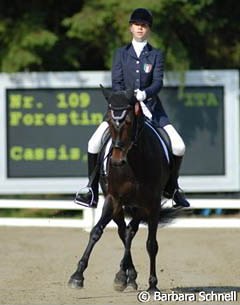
(178, 146)
(94, 144)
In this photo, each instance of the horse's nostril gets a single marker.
(117, 162)
(123, 161)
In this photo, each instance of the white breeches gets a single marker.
(94, 144)
(178, 146)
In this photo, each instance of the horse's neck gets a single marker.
(146, 141)
(139, 126)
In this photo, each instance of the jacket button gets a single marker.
(137, 71)
(137, 62)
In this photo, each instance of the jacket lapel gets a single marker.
(146, 50)
(131, 51)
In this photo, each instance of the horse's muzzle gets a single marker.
(118, 162)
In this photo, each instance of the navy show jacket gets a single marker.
(144, 73)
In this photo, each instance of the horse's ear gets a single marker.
(105, 92)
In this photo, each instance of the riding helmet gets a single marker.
(141, 15)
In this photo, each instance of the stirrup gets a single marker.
(85, 191)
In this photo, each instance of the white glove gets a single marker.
(140, 95)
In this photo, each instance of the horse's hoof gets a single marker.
(119, 286)
(152, 290)
(132, 285)
(76, 284)
(120, 281)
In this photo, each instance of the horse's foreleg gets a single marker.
(152, 248)
(120, 281)
(127, 274)
(130, 234)
(77, 279)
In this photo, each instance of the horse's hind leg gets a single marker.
(127, 274)
(77, 278)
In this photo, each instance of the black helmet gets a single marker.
(141, 15)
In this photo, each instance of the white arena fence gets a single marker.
(91, 216)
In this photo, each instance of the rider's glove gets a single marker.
(140, 95)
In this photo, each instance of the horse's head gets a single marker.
(121, 118)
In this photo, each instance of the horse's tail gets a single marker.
(169, 214)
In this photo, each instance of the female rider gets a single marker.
(138, 64)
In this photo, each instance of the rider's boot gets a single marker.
(88, 196)
(172, 189)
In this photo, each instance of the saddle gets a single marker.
(162, 137)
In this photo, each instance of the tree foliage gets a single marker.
(82, 35)
(32, 37)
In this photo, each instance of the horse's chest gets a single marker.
(123, 185)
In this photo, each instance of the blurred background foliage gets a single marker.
(83, 34)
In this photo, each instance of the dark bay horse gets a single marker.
(137, 172)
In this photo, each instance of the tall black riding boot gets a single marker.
(88, 196)
(172, 189)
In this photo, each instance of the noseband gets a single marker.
(118, 114)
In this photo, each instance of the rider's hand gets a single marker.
(140, 95)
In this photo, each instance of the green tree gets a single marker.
(32, 38)
(82, 35)
(204, 34)
(193, 34)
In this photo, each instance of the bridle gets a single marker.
(118, 116)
